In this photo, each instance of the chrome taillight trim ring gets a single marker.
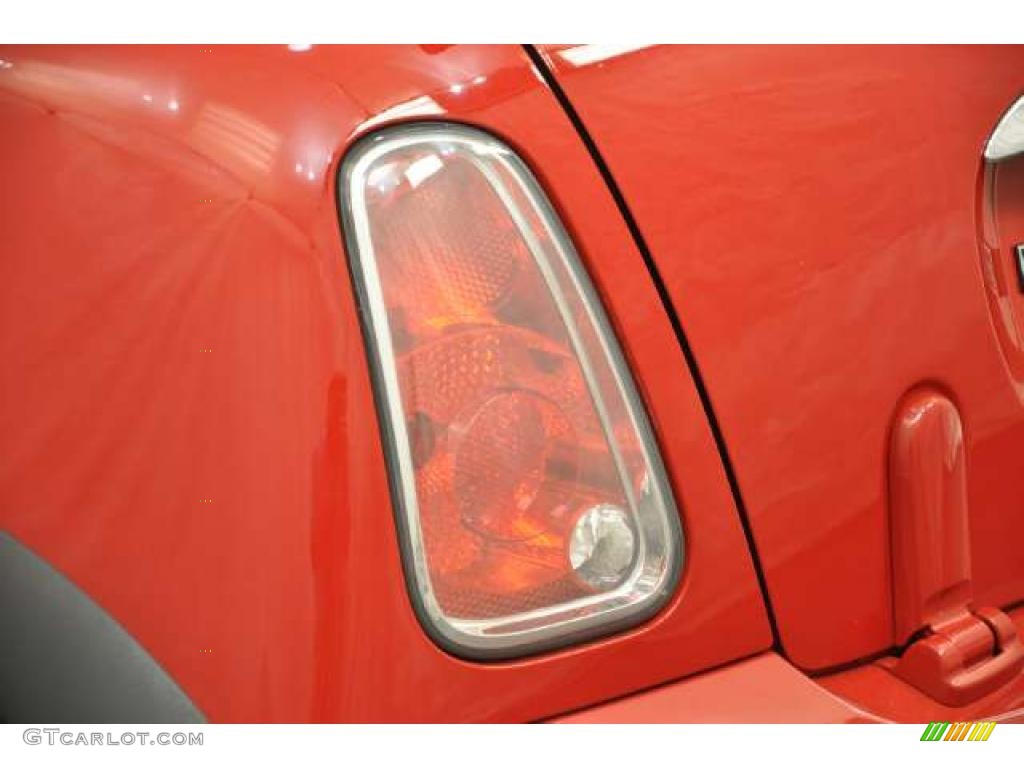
(575, 621)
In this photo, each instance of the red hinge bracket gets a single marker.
(962, 652)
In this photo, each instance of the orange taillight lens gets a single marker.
(532, 502)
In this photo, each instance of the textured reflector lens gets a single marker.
(532, 502)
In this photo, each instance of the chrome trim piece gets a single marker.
(1007, 139)
(643, 592)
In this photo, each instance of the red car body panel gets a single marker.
(873, 687)
(763, 689)
(815, 214)
(190, 437)
(767, 689)
(187, 422)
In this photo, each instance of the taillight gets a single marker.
(532, 503)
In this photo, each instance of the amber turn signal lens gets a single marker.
(532, 502)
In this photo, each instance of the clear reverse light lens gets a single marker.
(532, 504)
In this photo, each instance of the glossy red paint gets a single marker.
(186, 418)
(767, 689)
(956, 651)
(764, 689)
(928, 516)
(873, 687)
(814, 214)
